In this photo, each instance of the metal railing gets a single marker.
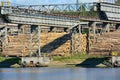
(81, 9)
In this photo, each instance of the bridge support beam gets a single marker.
(92, 30)
(117, 26)
(39, 32)
(76, 39)
(79, 38)
(35, 40)
(105, 28)
(108, 27)
(6, 34)
(88, 40)
(72, 40)
(33, 29)
(21, 28)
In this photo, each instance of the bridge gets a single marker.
(70, 17)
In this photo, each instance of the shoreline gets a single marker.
(91, 62)
(75, 65)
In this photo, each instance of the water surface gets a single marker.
(59, 74)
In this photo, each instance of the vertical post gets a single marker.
(72, 41)
(117, 26)
(108, 27)
(94, 31)
(88, 40)
(11, 30)
(79, 43)
(39, 32)
(6, 40)
(19, 28)
(23, 29)
(105, 27)
(31, 48)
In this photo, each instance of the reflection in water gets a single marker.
(60, 74)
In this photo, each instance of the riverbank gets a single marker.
(60, 61)
(80, 61)
(7, 62)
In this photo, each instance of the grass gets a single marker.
(2, 59)
(75, 57)
(7, 62)
(82, 60)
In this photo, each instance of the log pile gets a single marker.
(80, 42)
(105, 42)
(52, 42)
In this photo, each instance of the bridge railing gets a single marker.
(81, 9)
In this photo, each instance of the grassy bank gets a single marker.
(76, 60)
(7, 62)
(80, 60)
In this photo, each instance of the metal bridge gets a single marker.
(62, 15)
(52, 15)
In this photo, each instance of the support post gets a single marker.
(108, 27)
(23, 29)
(105, 27)
(79, 43)
(94, 31)
(19, 28)
(72, 41)
(93, 26)
(117, 26)
(31, 48)
(6, 40)
(39, 49)
(88, 42)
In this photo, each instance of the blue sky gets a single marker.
(49, 1)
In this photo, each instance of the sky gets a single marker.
(37, 2)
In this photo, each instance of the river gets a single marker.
(59, 73)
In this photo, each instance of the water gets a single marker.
(60, 74)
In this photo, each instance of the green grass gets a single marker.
(9, 60)
(2, 59)
(74, 57)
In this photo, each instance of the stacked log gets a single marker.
(104, 43)
(55, 43)
(80, 42)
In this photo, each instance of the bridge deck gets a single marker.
(31, 16)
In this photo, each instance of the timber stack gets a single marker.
(56, 43)
(106, 43)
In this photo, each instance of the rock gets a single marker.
(15, 66)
